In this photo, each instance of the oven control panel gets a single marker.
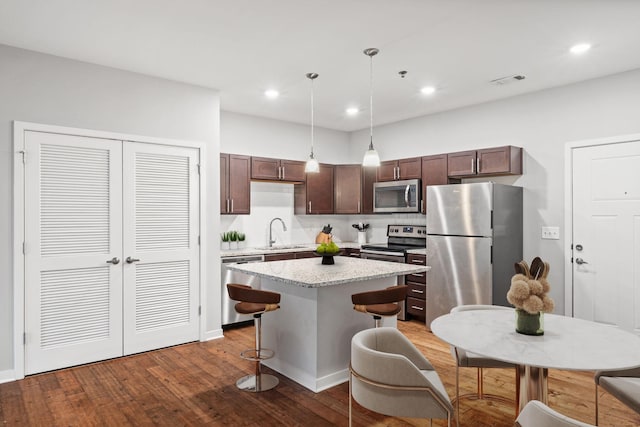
(419, 231)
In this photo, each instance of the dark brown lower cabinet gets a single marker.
(417, 283)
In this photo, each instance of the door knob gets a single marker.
(114, 261)
(131, 260)
(580, 261)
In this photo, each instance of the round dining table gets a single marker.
(568, 343)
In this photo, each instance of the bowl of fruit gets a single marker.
(327, 251)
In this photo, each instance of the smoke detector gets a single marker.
(506, 80)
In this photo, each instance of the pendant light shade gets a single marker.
(312, 165)
(371, 157)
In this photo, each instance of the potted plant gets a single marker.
(224, 237)
(241, 238)
(529, 294)
(233, 239)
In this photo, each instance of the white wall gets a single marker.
(51, 90)
(541, 123)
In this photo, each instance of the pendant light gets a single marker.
(371, 157)
(312, 165)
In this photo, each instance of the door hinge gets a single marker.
(24, 338)
(23, 155)
(198, 240)
(199, 310)
(198, 168)
(24, 248)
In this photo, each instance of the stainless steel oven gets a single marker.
(400, 239)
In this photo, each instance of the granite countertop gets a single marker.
(310, 273)
(278, 249)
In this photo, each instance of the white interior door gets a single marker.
(606, 234)
(161, 223)
(73, 227)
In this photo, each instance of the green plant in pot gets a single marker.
(224, 237)
(529, 294)
(233, 239)
(241, 239)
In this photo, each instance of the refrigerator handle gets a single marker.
(491, 224)
(406, 195)
(491, 255)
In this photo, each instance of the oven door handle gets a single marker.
(382, 255)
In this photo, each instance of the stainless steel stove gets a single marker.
(400, 239)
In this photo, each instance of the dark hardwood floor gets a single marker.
(194, 384)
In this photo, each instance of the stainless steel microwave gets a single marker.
(397, 196)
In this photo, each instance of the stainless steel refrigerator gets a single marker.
(474, 237)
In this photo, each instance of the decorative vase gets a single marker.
(529, 324)
(233, 244)
(328, 260)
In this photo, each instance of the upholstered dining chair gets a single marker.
(466, 359)
(624, 385)
(537, 414)
(389, 375)
(380, 303)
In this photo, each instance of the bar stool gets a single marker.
(380, 303)
(255, 302)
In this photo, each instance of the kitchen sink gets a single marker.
(280, 247)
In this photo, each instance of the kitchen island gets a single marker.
(311, 333)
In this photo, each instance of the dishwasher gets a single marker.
(229, 315)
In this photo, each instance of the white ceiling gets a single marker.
(242, 47)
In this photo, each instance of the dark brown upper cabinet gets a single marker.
(267, 169)
(348, 189)
(235, 184)
(434, 172)
(393, 170)
(316, 195)
(369, 176)
(505, 160)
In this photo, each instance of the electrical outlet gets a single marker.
(551, 233)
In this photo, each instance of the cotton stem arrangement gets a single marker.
(529, 287)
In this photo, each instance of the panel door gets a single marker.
(410, 168)
(225, 203)
(161, 250)
(265, 168)
(348, 189)
(73, 228)
(239, 184)
(293, 170)
(320, 191)
(606, 234)
(462, 163)
(434, 172)
(387, 171)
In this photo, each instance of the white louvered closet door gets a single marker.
(161, 223)
(73, 226)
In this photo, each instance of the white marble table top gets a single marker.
(568, 343)
(310, 273)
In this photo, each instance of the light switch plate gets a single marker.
(551, 233)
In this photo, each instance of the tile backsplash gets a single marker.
(271, 200)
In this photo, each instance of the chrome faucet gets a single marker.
(284, 228)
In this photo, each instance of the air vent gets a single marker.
(506, 80)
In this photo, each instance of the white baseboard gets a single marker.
(7, 376)
(213, 335)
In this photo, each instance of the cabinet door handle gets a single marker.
(417, 274)
(231, 205)
(473, 165)
(282, 172)
(478, 164)
(358, 206)
(418, 261)
(227, 206)
(309, 206)
(415, 307)
(417, 291)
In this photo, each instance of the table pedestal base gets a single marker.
(533, 385)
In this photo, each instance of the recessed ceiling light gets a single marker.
(271, 93)
(352, 111)
(428, 90)
(580, 48)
